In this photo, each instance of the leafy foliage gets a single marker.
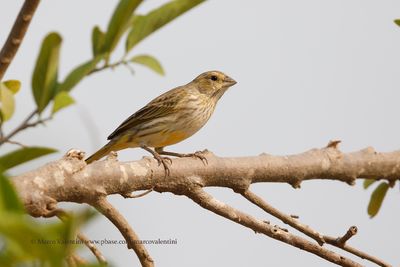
(143, 26)
(45, 85)
(150, 62)
(119, 23)
(13, 85)
(77, 74)
(377, 197)
(7, 102)
(97, 41)
(27, 242)
(62, 100)
(7, 91)
(368, 182)
(23, 155)
(44, 79)
(8, 197)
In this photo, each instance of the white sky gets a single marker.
(308, 71)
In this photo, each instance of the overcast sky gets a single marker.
(308, 71)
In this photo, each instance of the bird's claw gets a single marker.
(164, 161)
(167, 159)
(199, 155)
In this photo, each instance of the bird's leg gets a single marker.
(197, 154)
(161, 160)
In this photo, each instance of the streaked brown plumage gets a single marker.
(169, 118)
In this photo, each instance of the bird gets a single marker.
(169, 119)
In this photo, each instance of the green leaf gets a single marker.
(149, 62)
(7, 102)
(98, 38)
(62, 100)
(119, 23)
(397, 21)
(26, 240)
(9, 200)
(44, 79)
(13, 85)
(23, 155)
(143, 26)
(377, 198)
(77, 74)
(30, 243)
(368, 182)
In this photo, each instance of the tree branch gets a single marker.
(103, 206)
(256, 200)
(205, 200)
(17, 34)
(337, 242)
(70, 179)
(25, 124)
(96, 252)
(110, 66)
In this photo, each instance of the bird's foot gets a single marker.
(165, 161)
(197, 154)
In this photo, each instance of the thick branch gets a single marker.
(70, 179)
(17, 34)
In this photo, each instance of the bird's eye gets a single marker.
(214, 78)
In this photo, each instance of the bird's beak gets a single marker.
(228, 81)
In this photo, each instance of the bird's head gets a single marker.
(213, 83)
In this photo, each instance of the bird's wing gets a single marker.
(161, 106)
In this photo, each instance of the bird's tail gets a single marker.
(105, 150)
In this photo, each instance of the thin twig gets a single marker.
(108, 66)
(16, 143)
(39, 121)
(129, 67)
(24, 125)
(205, 200)
(305, 229)
(337, 242)
(108, 210)
(96, 252)
(17, 34)
(352, 231)
(75, 260)
(18, 128)
(131, 195)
